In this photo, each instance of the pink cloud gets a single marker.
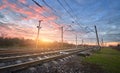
(26, 32)
(17, 9)
(2, 7)
(12, 30)
(36, 9)
(22, 1)
(34, 12)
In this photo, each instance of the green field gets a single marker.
(107, 58)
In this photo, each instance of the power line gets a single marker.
(37, 3)
(63, 7)
(70, 7)
(39, 21)
(51, 9)
(90, 30)
(69, 13)
(48, 5)
(41, 6)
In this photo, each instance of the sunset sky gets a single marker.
(19, 18)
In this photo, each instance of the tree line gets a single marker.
(17, 42)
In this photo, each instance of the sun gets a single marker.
(46, 40)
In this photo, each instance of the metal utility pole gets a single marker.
(76, 40)
(97, 36)
(37, 39)
(62, 37)
(102, 43)
(82, 41)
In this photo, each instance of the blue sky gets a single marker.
(19, 18)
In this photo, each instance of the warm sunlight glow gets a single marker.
(46, 40)
(111, 43)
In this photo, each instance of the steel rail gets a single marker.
(4, 59)
(19, 52)
(24, 65)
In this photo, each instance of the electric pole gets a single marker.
(97, 36)
(82, 42)
(102, 43)
(76, 40)
(62, 37)
(37, 39)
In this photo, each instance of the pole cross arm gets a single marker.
(39, 27)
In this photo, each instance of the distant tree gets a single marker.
(17, 42)
(118, 45)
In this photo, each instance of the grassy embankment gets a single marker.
(107, 58)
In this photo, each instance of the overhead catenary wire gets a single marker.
(64, 8)
(74, 18)
(70, 7)
(90, 30)
(50, 8)
(41, 7)
(69, 13)
(37, 3)
(53, 9)
(48, 5)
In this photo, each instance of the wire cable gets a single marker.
(48, 5)
(37, 3)
(90, 30)
(69, 13)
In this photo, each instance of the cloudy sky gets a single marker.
(19, 18)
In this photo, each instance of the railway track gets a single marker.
(17, 52)
(4, 53)
(52, 56)
(4, 59)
